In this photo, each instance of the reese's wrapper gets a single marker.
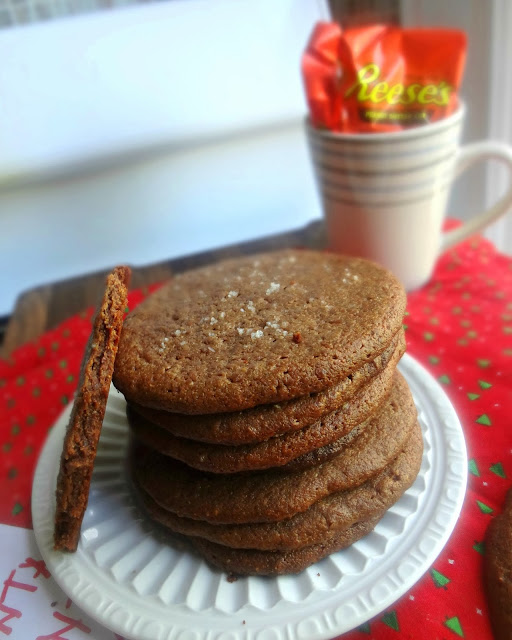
(381, 78)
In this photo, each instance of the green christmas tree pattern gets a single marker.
(440, 580)
(473, 468)
(484, 508)
(454, 625)
(390, 619)
(498, 470)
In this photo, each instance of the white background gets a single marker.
(487, 90)
(150, 132)
(154, 131)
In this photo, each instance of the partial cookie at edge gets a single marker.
(498, 571)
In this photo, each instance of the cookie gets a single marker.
(83, 430)
(322, 454)
(270, 495)
(498, 571)
(323, 520)
(257, 330)
(266, 421)
(272, 563)
(273, 452)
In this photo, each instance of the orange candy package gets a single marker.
(380, 77)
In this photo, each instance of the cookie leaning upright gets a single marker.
(84, 427)
(264, 329)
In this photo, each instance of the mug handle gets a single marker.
(468, 156)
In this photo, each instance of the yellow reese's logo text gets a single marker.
(369, 89)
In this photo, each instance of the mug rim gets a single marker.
(420, 131)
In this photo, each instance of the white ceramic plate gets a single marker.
(137, 584)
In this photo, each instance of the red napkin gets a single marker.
(459, 327)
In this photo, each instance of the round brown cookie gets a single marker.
(257, 330)
(84, 427)
(271, 496)
(498, 571)
(265, 421)
(323, 520)
(251, 562)
(273, 452)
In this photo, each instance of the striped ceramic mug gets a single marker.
(384, 195)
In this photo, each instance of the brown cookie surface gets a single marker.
(272, 563)
(270, 495)
(257, 330)
(498, 571)
(273, 452)
(322, 454)
(265, 421)
(323, 520)
(84, 427)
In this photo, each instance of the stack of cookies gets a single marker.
(270, 424)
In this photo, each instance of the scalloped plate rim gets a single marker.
(296, 620)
